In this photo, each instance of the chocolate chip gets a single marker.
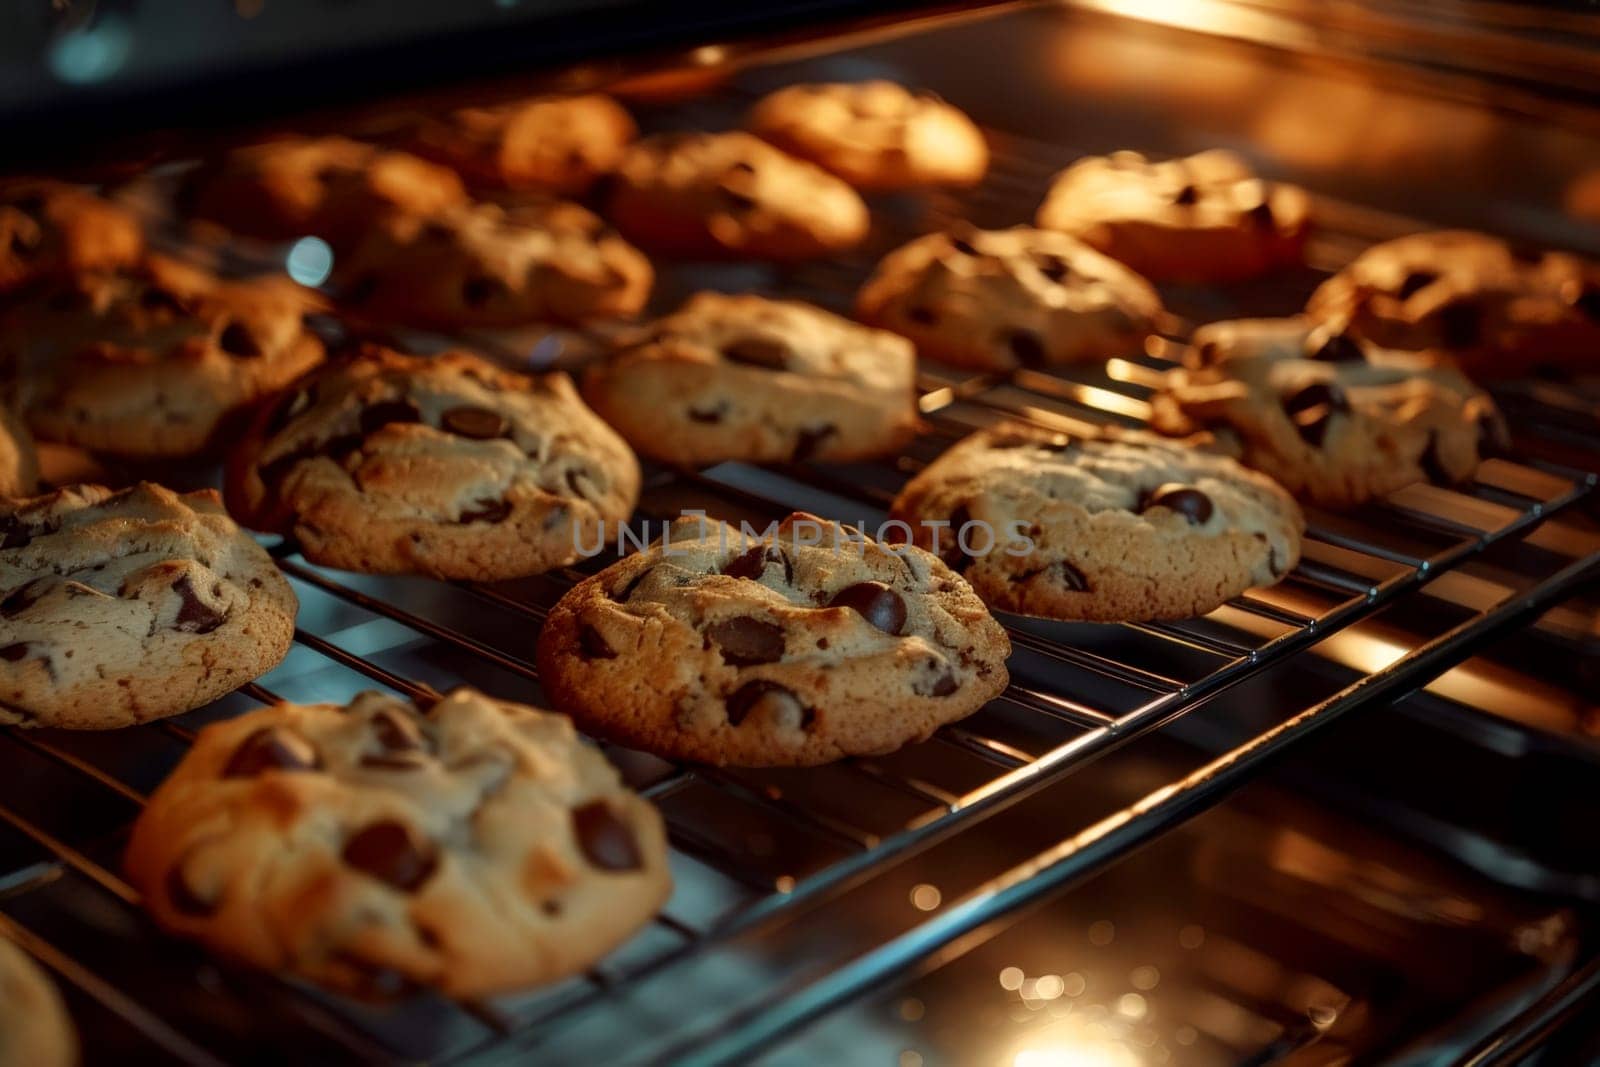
(592, 643)
(1461, 323)
(607, 842)
(385, 412)
(1026, 347)
(1061, 573)
(480, 424)
(195, 616)
(237, 340)
(14, 533)
(742, 701)
(1052, 267)
(397, 732)
(757, 352)
(1415, 282)
(1339, 349)
(944, 681)
(1206, 354)
(392, 852)
(14, 653)
(952, 553)
(183, 897)
(809, 440)
(1261, 215)
(476, 292)
(925, 315)
(1187, 195)
(1191, 503)
(396, 761)
(490, 511)
(272, 748)
(622, 595)
(708, 416)
(745, 640)
(875, 602)
(1273, 563)
(734, 197)
(1588, 300)
(155, 298)
(1313, 408)
(24, 597)
(962, 245)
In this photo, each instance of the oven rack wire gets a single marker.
(58, 872)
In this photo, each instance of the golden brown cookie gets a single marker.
(553, 144)
(50, 230)
(996, 300)
(876, 135)
(475, 846)
(731, 195)
(758, 380)
(441, 465)
(804, 646)
(149, 362)
(1205, 218)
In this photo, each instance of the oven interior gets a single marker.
(1348, 818)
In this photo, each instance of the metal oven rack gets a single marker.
(763, 857)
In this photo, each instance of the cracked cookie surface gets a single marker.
(876, 135)
(493, 266)
(758, 380)
(997, 300)
(122, 607)
(1116, 529)
(1204, 218)
(1334, 420)
(555, 144)
(149, 362)
(35, 1030)
(332, 187)
(441, 465)
(51, 230)
(722, 195)
(1471, 297)
(783, 651)
(476, 846)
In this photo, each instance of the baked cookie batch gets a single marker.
(473, 845)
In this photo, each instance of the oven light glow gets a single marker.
(1086, 1053)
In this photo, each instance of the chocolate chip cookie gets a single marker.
(150, 361)
(474, 847)
(788, 647)
(447, 466)
(1335, 420)
(19, 467)
(1115, 529)
(554, 144)
(1470, 296)
(876, 135)
(50, 230)
(758, 380)
(996, 300)
(731, 195)
(332, 187)
(1206, 218)
(494, 266)
(121, 607)
(35, 1030)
